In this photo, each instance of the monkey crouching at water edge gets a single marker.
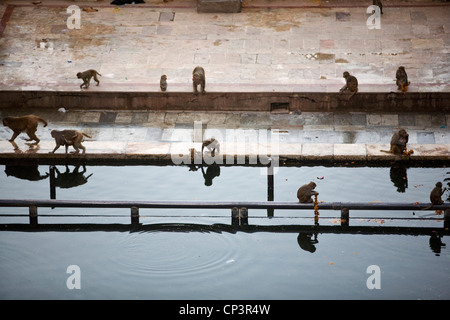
(398, 142)
(27, 124)
(69, 138)
(211, 144)
(86, 77)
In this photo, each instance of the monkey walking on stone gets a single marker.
(27, 124)
(351, 84)
(69, 138)
(86, 77)
(402, 79)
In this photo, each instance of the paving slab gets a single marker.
(270, 45)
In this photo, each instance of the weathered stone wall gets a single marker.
(228, 101)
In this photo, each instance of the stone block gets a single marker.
(218, 6)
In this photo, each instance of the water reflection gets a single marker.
(71, 179)
(212, 171)
(399, 177)
(307, 241)
(307, 238)
(30, 172)
(436, 243)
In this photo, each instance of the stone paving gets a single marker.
(269, 46)
(304, 136)
(303, 47)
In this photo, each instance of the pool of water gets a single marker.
(190, 254)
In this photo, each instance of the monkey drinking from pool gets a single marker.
(86, 77)
(198, 78)
(27, 124)
(69, 138)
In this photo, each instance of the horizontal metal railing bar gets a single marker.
(219, 216)
(221, 204)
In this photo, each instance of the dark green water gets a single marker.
(175, 261)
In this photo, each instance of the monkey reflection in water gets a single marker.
(70, 179)
(28, 172)
(399, 177)
(436, 243)
(307, 242)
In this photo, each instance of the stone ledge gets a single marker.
(218, 6)
(163, 151)
(276, 102)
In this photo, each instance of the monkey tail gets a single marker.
(84, 134)
(98, 73)
(427, 207)
(43, 121)
(387, 151)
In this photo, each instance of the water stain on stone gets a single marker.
(341, 61)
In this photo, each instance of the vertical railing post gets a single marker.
(52, 183)
(270, 189)
(134, 215)
(446, 218)
(243, 216)
(235, 216)
(345, 216)
(33, 212)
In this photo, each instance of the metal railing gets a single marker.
(239, 209)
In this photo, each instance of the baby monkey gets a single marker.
(86, 77)
(69, 138)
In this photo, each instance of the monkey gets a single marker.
(211, 144)
(198, 78)
(436, 195)
(86, 77)
(379, 4)
(305, 192)
(351, 84)
(163, 83)
(398, 142)
(69, 138)
(27, 124)
(402, 79)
